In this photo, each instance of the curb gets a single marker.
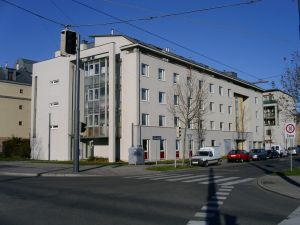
(259, 182)
(46, 175)
(19, 174)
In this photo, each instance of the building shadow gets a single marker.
(214, 215)
(280, 174)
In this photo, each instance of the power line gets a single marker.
(165, 39)
(169, 14)
(33, 13)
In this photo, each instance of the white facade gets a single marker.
(133, 79)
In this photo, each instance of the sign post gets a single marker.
(156, 138)
(290, 133)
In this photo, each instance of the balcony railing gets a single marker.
(269, 101)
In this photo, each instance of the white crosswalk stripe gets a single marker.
(202, 179)
(225, 182)
(220, 180)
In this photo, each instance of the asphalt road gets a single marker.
(168, 198)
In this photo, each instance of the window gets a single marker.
(145, 95)
(200, 84)
(212, 125)
(21, 91)
(213, 143)
(97, 68)
(229, 93)
(257, 129)
(211, 88)
(221, 90)
(230, 110)
(202, 124)
(176, 121)
(53, 104)
(177, 145)
(161, 74)
(91, 94)
(20, 123)
(211, 106)
(54, 81)
(221, 108)
(53, 126)
(191, 143)
(162, 97)
(145, 70)
(221, 125)
(162, 121)
(96, 93)
(145, 119)
(20, 106)
(175, 78)
(146, 147)
(96, 119)
(162, 146)
(190, 125)
(176, 100)
(90, 120)
(256, 114)
(230, 126)
(256, 100)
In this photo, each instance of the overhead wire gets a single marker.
(165, 39)
(33, 13)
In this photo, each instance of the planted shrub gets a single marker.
(16, 147)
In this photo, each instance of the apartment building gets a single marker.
(124, 89)
(15, 100)
(279, 108)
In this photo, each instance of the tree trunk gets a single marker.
(184, 146)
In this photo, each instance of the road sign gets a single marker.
(290, 130)
(156, 137)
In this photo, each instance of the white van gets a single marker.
(206, 156)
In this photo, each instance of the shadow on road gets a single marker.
(280, 174)
(214, 215)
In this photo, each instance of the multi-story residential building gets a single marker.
(15, 100)
(124, 89)
(279, 108)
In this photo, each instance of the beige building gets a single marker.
(279, 108)
(124, 87)
(15, 106)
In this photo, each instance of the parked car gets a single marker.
(271, 154)
(238, 155)
(278, 148)
(206, 156)
(258, 154)
(292, 150)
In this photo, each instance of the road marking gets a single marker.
(223, 186)
(197, 222)
(201, 179)
(219, 197)
(210, 208)
(204, 214)
(185, 178)
(167, 177)
(239, 181)
(214, 202)
(220, 180)
(222, 193)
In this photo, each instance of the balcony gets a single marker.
(265, 102)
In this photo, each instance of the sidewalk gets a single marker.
(24, 168)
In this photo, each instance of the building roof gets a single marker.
(224, 74)
(277, 90)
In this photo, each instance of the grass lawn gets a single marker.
(295, 172)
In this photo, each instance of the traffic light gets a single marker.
(68, 42)
(83, 127)
(178, 132)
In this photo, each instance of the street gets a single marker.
(180, 197)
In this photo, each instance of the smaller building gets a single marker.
(15, 100)
(279, 108)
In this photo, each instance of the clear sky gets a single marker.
(252, 40)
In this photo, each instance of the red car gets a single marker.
(238, 155)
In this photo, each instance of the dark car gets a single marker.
(258, 154)
(271, 154)
(238, 155)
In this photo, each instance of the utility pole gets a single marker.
(77, 107)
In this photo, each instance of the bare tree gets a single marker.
(184, 103)
(290, 79)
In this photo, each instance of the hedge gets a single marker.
(16, 147)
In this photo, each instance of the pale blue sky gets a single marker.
(253, 38)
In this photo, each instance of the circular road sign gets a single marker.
(290, 128)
